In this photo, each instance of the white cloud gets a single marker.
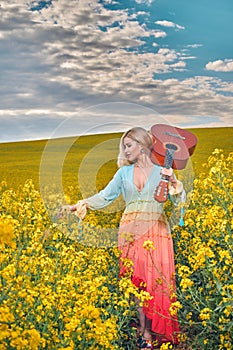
(165, 23)
(194, 46)
(159, 34)
(178, 66)
(226, 87)
(147, 2)
(194, 95)
(220, 65)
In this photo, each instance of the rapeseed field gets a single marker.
(60, 283)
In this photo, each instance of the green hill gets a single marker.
(22, 160)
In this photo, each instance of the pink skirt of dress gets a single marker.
(153, 269)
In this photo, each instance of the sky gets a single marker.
(74, 67)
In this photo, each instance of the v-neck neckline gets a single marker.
(147, 180)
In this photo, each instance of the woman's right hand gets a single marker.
(80, 209)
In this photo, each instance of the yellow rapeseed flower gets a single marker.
(205, 314)
(7, 235)
(174, 308)
(166, 346)
(186, 283)
(148, 245)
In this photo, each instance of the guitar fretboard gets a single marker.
(170, 150)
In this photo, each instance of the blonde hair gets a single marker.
(139, 135)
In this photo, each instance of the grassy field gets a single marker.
(22, 160)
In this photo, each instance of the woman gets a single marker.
(143, 219)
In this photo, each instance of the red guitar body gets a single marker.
(171, 148)
(183, 142)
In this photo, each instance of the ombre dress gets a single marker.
(143, 219)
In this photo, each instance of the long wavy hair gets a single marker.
(139, 135)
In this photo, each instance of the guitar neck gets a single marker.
(170, 150)
(161, 192)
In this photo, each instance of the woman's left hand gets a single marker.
(169, 172)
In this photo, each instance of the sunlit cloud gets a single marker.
(220, 65)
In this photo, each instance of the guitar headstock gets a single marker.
(161, 192)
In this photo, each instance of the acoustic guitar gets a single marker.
(171, 148)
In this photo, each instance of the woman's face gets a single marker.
(131, 148)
